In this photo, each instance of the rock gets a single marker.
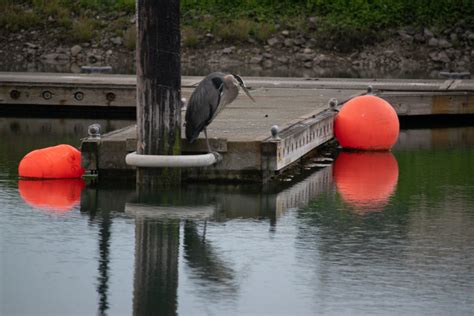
(305, 57)
(406, 37)
(256, 59)
(116, 40)
(427, 33)
(267, 55)
(461, 64)
(433, 42)
(75, 68)
(285, 33)
(419, 38)
(453, 53)
(228, 50)
(308, 64)
(289, 42)
(321, 59)
(440, 57)
(443, 57)
(62, 50)
(49, 57)
(443, 43)
(55, 58)
(283, 59)
(31, 45)
(31, 52)
(453, 37)
(75, 50)
(94, 58)
(273, 41)
(308, 51)
(267, 63)
(300, 41)
(312, 23)
(311, 43)
(469, 35)
(410, 30)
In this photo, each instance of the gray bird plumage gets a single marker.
(209, 98)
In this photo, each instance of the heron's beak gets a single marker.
(247, 93)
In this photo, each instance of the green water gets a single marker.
(368, 234)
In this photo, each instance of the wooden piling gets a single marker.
(158, 87)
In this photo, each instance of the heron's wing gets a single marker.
(203, 104)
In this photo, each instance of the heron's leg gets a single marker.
(207, 140)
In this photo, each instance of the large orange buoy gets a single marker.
(57, 162)
(58, 196)
(367, 123)
(366, 180)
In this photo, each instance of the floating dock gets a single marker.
(241, 133)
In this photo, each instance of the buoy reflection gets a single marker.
(58, 196)
(366, 180)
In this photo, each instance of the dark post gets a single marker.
(158, 87)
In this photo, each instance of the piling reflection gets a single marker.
(158, 219)
(366, 180)
(104, 261)
(156, 267)
(56, 196)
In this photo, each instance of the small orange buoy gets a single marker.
(367, 123)
(57, 196)
(57, 162)
(366, 180)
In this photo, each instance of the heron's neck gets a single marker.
(232, 90)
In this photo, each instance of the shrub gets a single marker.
(190, 37)
(83, 29)
(236, 30)
(14, 18)
(263, 31)
(130, 37)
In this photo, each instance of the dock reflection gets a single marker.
(175, 219)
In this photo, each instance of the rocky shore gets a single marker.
(404, 51)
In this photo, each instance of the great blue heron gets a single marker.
(209, 98)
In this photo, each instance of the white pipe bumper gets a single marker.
(165, 161)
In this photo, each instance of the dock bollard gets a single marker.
(275, 130)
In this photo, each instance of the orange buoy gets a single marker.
(57, 162)
(367, 123)
(366, 180)
(58, 196)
